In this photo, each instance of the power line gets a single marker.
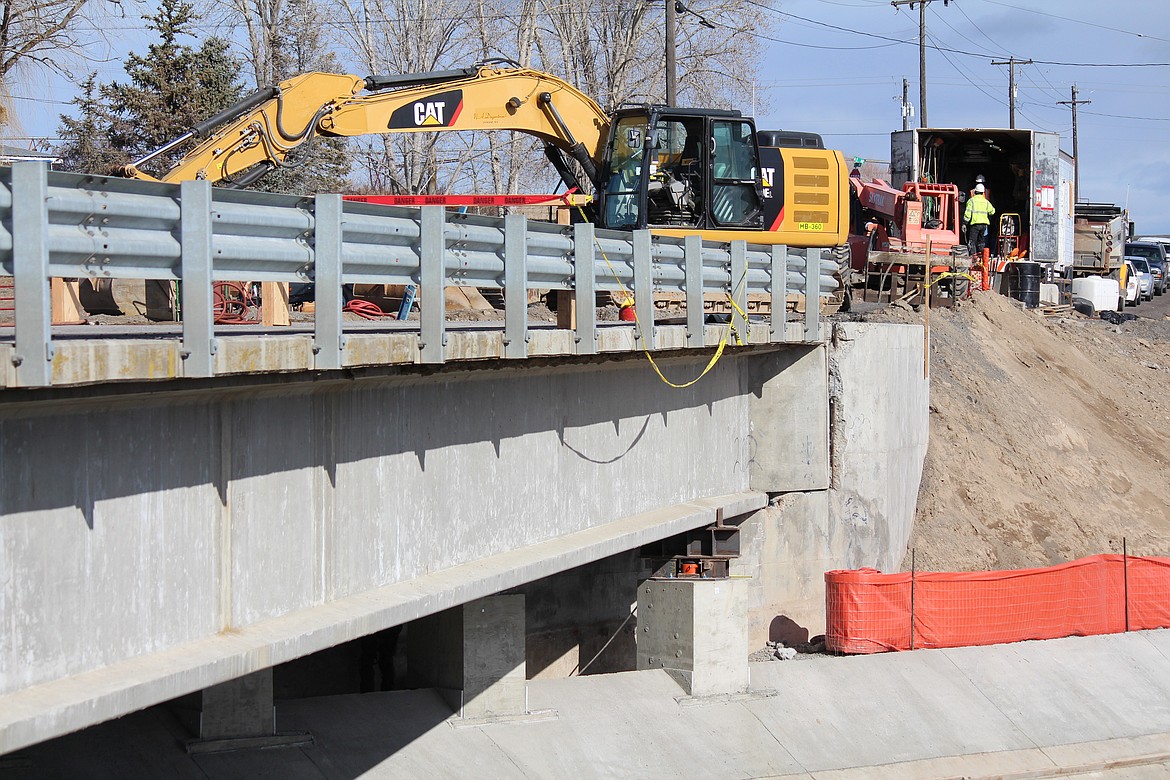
(962, 73)
(1052, 93)
(957, 32)
(818, 23)
(987, 94)
(1104, 64)
(977, 27)
(826, 25)
(952, 50)
(42, 100)
(762, 36)
(1123, 116)
(1095, 24)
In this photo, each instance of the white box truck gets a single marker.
(1025, 172)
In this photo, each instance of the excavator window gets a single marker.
(735, 198)
(625, 172)
(674, 194)
(674, 168)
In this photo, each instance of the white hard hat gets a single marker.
(979, 188)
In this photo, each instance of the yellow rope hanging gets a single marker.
(628, 301)
(949, 274)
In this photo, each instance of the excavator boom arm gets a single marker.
(263, 130)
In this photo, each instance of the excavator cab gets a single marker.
(680, 168)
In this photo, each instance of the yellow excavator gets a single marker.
(676, 171)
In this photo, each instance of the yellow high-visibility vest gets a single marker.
(979, 210)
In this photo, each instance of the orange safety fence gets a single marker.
(870, 612)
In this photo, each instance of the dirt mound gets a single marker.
(1047, 437)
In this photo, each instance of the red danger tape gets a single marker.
(572, 198)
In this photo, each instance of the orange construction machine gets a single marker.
(899, 237)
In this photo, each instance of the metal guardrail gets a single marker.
(75, 226)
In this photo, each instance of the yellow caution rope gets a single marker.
(949, 274)
(629, 300)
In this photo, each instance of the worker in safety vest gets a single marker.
(977, 217)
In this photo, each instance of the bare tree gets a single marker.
(718, 54)
(601, 47)
(40, 31)
(407, 36)
(280, 38)
(614, 50)
(46, 35)
(266, 28)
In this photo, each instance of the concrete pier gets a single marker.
(696, 631)
(474, 655)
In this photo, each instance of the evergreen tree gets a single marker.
(85, 141)
(170, 89)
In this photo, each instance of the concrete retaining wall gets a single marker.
(879, 405)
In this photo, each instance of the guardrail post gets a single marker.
(33, 357)
(327, 271)
(779, 330)
(515, 286)
(739, 289)
(643, 290)
(812, 295)
(195, 270)
(585, 284)
(433, 257)
(693, 270)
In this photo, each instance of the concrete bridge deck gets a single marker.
(87, 354)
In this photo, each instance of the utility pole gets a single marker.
(1012, 62)
(906, 110)
(921, 51)
(1076, 158)
(671, 75)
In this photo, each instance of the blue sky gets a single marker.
(851, 95)
(850, 90)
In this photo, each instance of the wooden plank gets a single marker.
(65, 297)
(566, 310)
(274, 303)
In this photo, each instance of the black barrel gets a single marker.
(1024, 283)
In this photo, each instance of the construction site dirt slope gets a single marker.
(1048, 437)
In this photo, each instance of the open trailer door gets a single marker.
(1047, 205)
(903, 157)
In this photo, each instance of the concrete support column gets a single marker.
(695, 629)
(239, 708)
(239, 715)
(474, 655)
